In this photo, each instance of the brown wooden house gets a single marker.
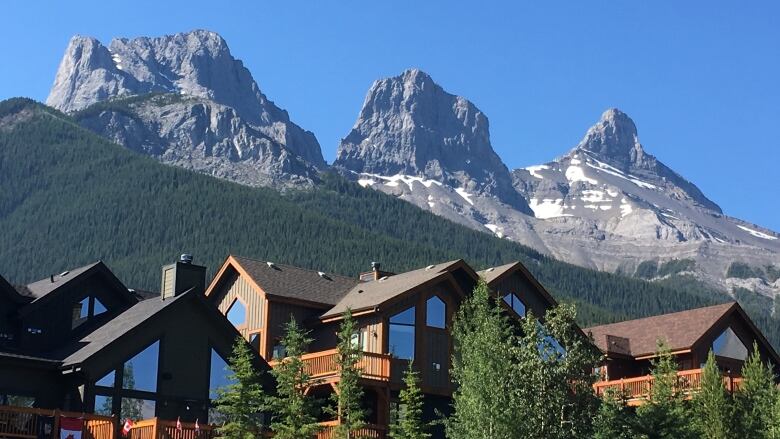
(82, 341)
(401, 317)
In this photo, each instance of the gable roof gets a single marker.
(494, 275)
(367, 295)
(41, 291)
(10, 292)
(290, 282)
(681, 330)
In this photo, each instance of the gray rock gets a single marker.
(409, 125)
(220, 93)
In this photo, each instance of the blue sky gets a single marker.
(700, 79)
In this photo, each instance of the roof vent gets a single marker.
(323, 275)
(383, 278)
(490, 269)
(375, 266)
(64, 273)
(360, 291)
(430, 267)
(270, 264)
(185, 258)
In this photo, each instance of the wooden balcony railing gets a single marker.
(637, 389)
(367, 432)
(32, 423)
(322, 365)
(156, 428)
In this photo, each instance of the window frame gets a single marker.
(413, 325)
(444, 312)
(244, 324)
(511, 305)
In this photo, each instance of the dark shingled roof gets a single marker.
(101, 337)
(374, 293)
(45, 286)
(297, 283)
(680, 330)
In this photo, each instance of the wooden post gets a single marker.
(56, 431)
(154, 428)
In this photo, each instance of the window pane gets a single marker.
(518, 306)
(279, 352)
(99, 308)
(103, 405)
(133, 408)
(17, 400)
(405, 317)
(140, 372)
(402, 341)
(508, 300)
(107, 380)
(254, 340)
(237, 313)
(80, 312)
(436, 312)
(730, 346)
(219, 375)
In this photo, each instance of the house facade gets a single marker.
(401, 317)
(81, 341)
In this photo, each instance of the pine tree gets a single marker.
(349, 394)
(614, 420)
(483, 372)
(408, 422)
(664, 414)
(241, 402)
(131, 408)
(756, 398)
(712, 406)
(294, 413)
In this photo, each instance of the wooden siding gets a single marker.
(278, 315)
(236, 287)
(525, 290)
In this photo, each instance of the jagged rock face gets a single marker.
(410, 126)
(196, 65)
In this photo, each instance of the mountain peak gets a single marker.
(614, 139)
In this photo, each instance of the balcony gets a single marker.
(321, 366)
(156, 428)
(32, 423)
(637, 389)
(368, 432)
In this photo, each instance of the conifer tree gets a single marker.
(294, 413)
(408, 423)
(756, 398)
(712, 406)
(664, 414)
(482, 370)
(349, 394)
(614, 420)
(241, 401)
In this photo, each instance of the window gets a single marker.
(140, 372)
(80, 312)
(104, 405)
(17, 400)
(730, 346)
(279, 351)
(355, 339)
(402, 334)
(237, 313)
(549, 343)
(136, 408)
(220, 373)
(254, 340)
(98, 308)
(515, 303)
(435, 313)
(108, 380)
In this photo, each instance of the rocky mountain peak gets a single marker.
(614, 139)
(410, 125)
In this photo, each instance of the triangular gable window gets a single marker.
(730, 346)
(99, 308)
(220, 374)
(140, 372)
(237, 313)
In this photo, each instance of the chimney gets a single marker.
(182, 276)
(375, 269)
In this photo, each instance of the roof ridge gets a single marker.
(294, 266)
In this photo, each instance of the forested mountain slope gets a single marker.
(70, 197)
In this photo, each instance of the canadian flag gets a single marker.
(197, 427)
(128, 426)
(70, 428)
(178, 424)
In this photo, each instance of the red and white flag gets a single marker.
(197, 427)
(178, 424)
(70, 428)
(128, 426)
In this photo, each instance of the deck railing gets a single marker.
(322, 365)
(32, 423)
(637, 389)
(156, 428)
(367, 432)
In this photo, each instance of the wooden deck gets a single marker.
(32, 423)
(156, 428)
(321, 366)
(637, 389)
(367, 432)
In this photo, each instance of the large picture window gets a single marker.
(130, 388)
(402, 334)
(140, 372)
(435, 313)
(730, 346)
(515, 303)
(219, 375)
